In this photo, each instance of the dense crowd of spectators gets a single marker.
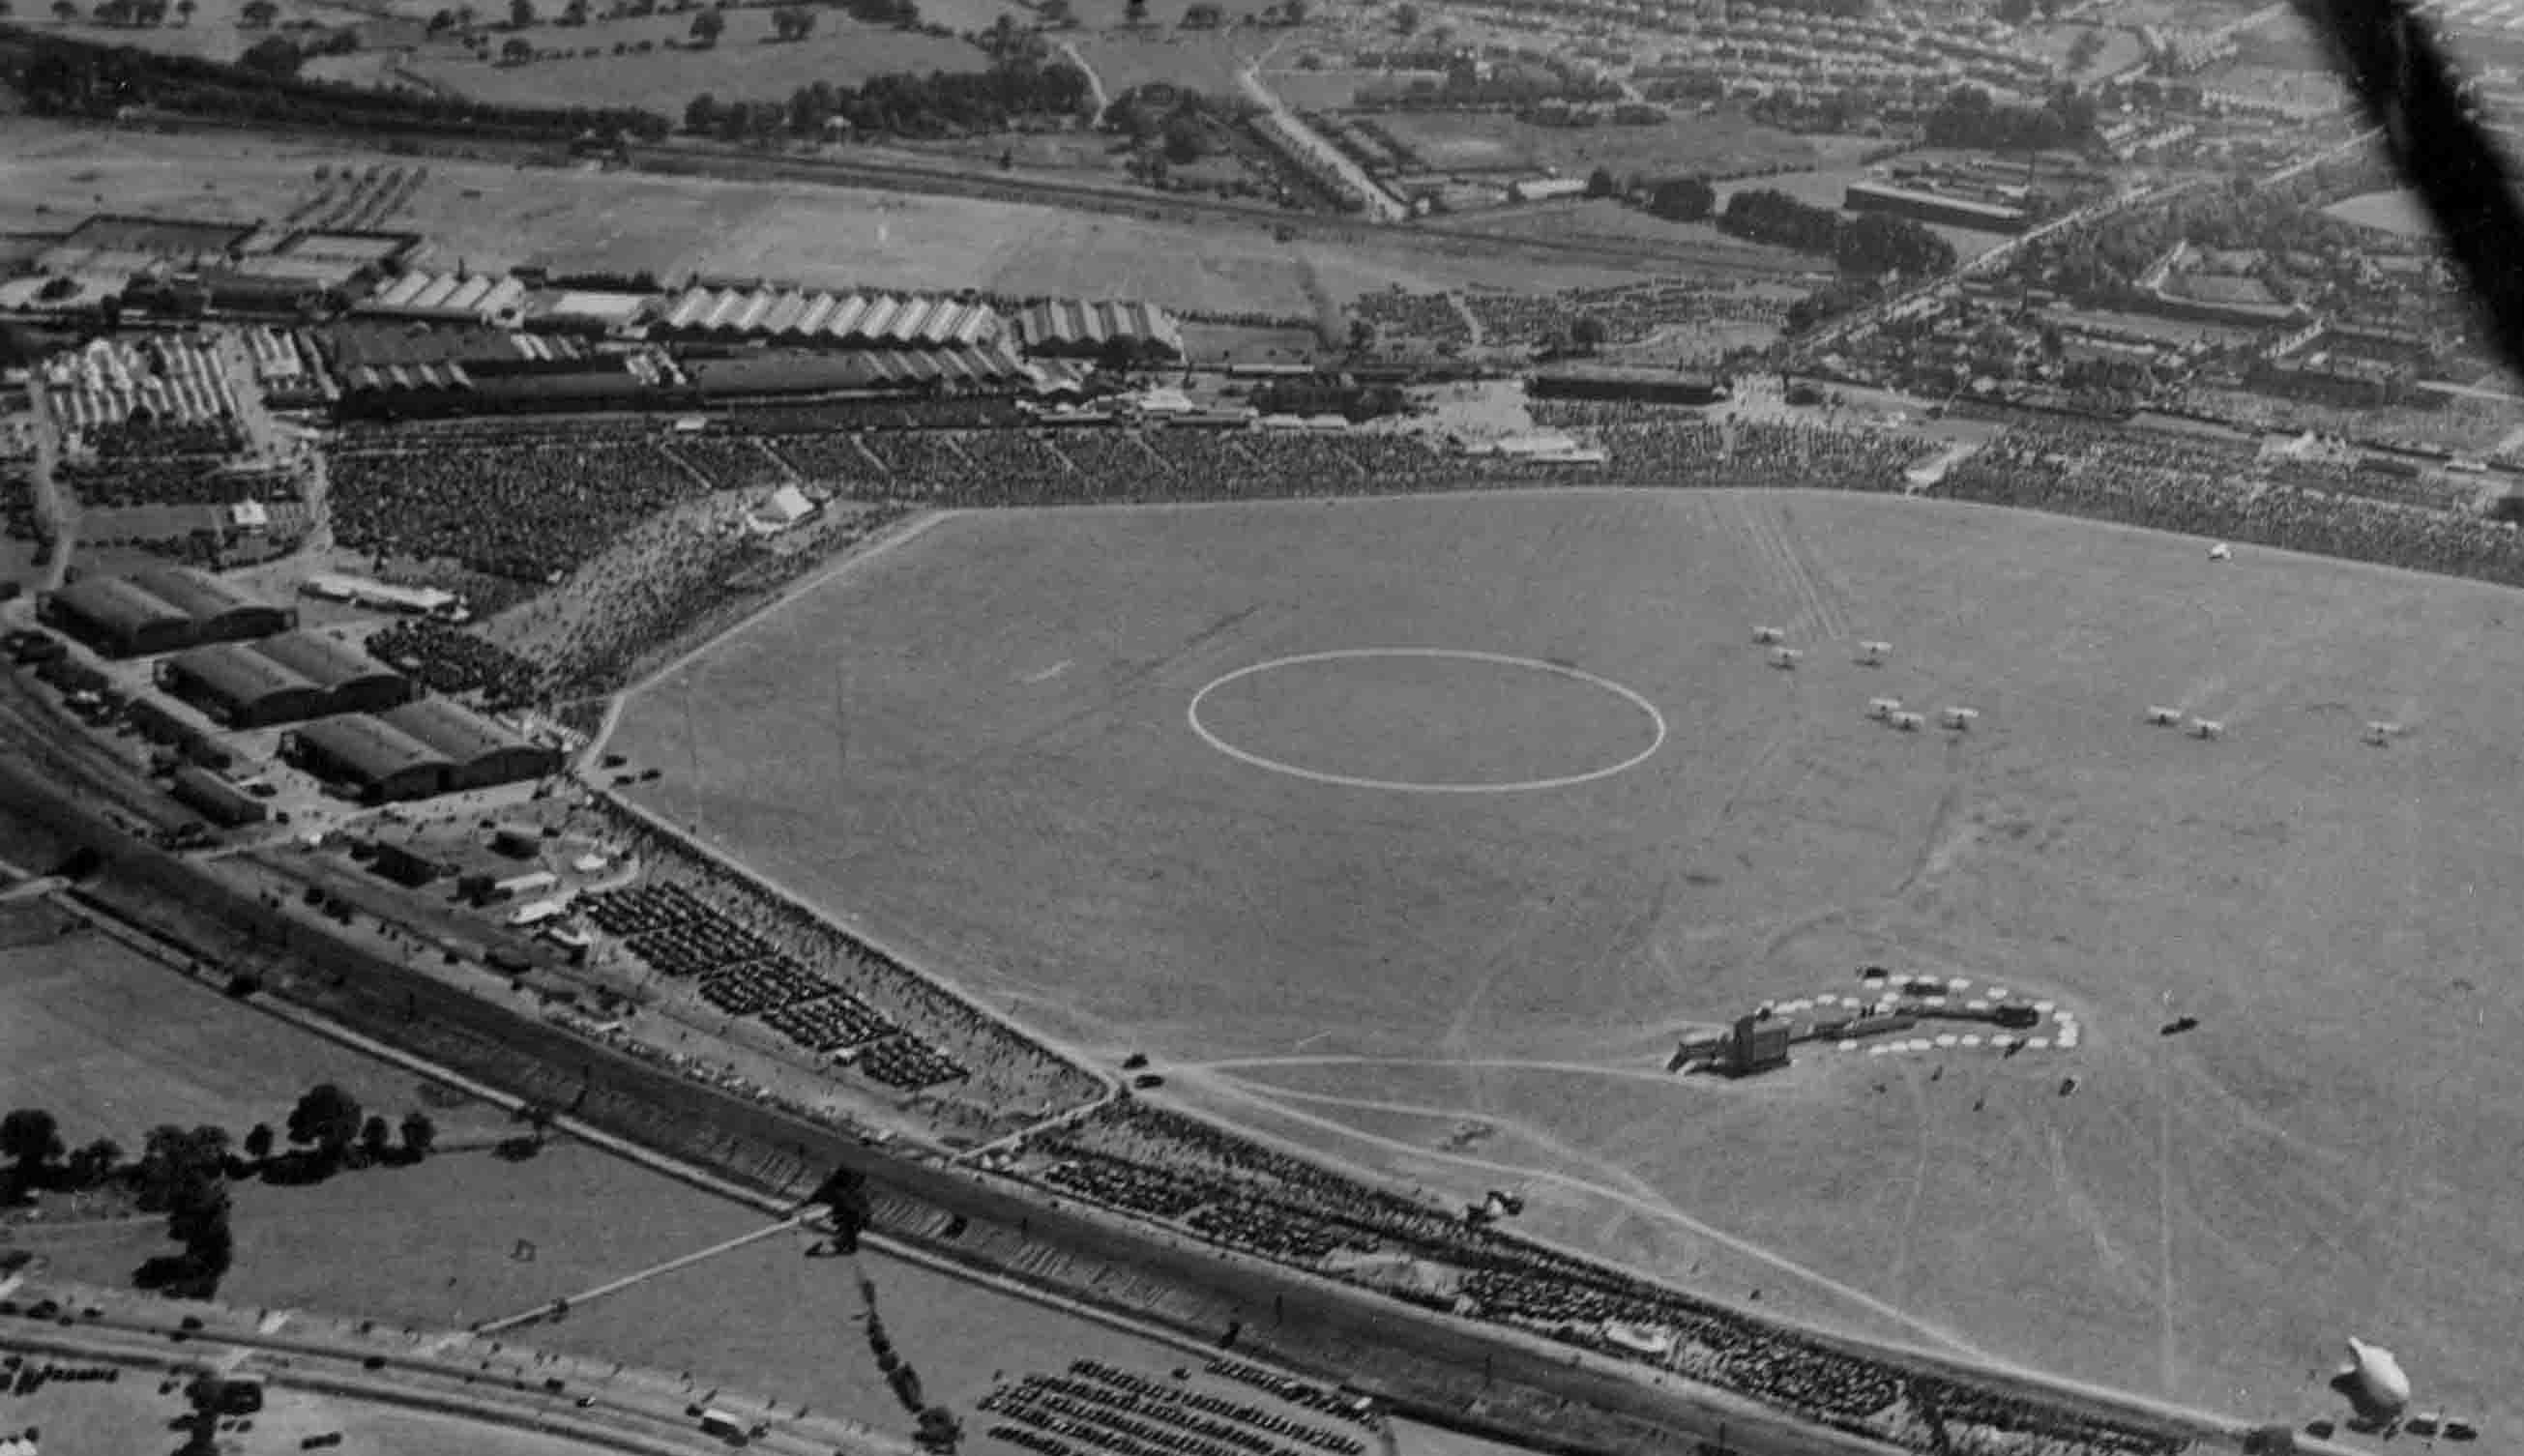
(448, 660)
(1623, 312)
(2165, 484)
(1420, 318)
(1164, 1165)
(527, 506)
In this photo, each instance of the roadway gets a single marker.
(636, 1412)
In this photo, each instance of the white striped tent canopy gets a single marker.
(1767, 636)
(1958, 717)
(1784, 656)
(2207, 728)
(1881, 708)
(2380, 733)
(1910, 722)
(2164, 718)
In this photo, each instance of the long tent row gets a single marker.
(848, 320)
(1076, 329)
(420, 750)
(160, 610)
(287, 678)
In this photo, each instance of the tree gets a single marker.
(708, 26)
(64, 12)
(31, 1138)
(1682, 200)
(274, 56)
(1294, 10)
(1059, 15)
(179, 1168)
(796, 22)
(257, 14)
(521, 13)
(1406, 19)
(1602, 183)
(258, 1142)
(187, 8)
(701, 113)
(574, 13)
(1586, 333)
(376, 1139)
(95, 1163)
(419, 1132)
(518, 51)
(1135, 13)
(328, 1119)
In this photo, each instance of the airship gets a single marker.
(2374, 1382)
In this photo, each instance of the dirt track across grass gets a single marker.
(1023, 805)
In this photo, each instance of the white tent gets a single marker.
(785, 507)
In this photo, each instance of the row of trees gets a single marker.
(184, 1172)
(1869, 245)
(66, 78)
(327, 1131)
(939, 104)
(1969, 116)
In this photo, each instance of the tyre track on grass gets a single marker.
(1657, 1210)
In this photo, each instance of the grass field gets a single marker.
(747, 64)
(1491, 142)
(493, 217)
(130, 1416)
(115, 1045)
(1203, 61)
(1021, 800)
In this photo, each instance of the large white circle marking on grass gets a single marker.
(1191, 714)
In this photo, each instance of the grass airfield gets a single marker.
(978, 745)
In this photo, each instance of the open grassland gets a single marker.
(1494, 143)
(747, 64)
(483, 215)
(1203, 61)
(115, 1045)
(1013, 791)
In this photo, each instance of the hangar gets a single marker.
(479, 753)
(355, 682)
(380, 762)
(286, 678)
(241, 688)
(116, 617)
(222, 610)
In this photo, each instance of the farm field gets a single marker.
(466, 1236)
(747, 64)
(1485, 141)
(1027, 798)
(115, 1045)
